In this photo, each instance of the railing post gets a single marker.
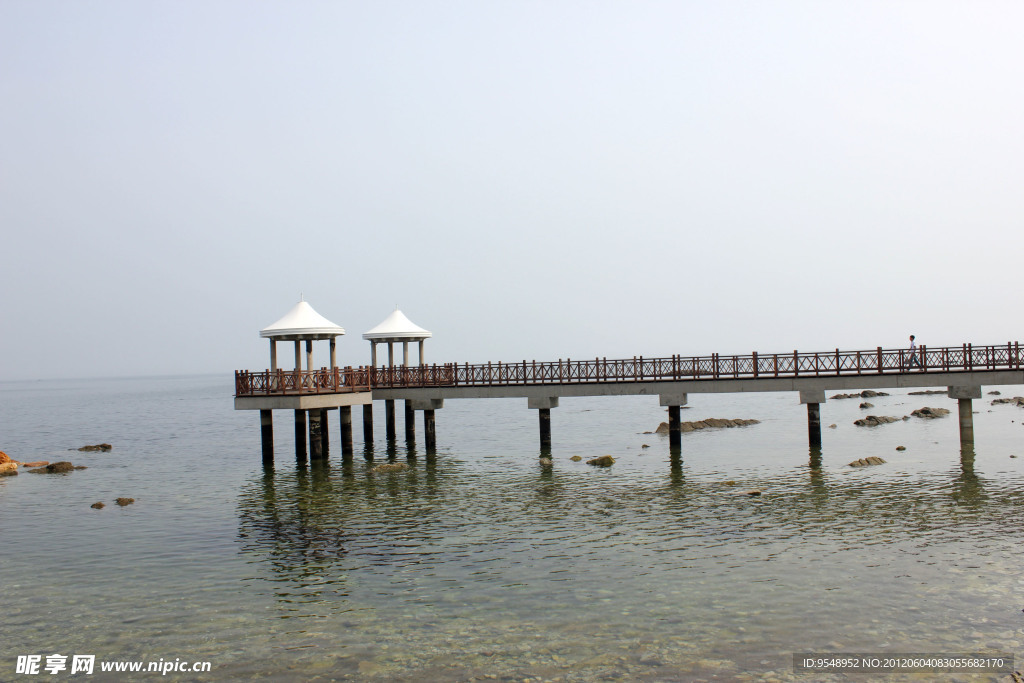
(754, 355)
(924, 358)
(775, 363)
(879, 360)
(970, 354)
(796, 364)
(837, 363)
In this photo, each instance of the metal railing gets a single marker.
(289, 382)
(879, 361)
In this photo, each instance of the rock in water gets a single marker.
(97, 506)
(103, 447)
(8, 469)
(124, 501)
(875, 420)
(1016, 400)
(603, 461)
(864, 462)
(927, 412)
(901, 448)
(4, 458)
(865, 405)
(390, 467)
(546, 462)
(576, 458)
(55, 467)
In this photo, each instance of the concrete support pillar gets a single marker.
(273, 354)
(405, 353)
(963, 396)
(389, 419)
(813, 398)
(309, 354)
(428, 430)
(334, 353)
(543, 406)
(391, 353)
(373, 354)
(673, 402)
(421, 352)
(316, 447)
(410, 422)
(675, 437)
(325, 440)
(345, 415)
(300, 435)
(267, 436)
(298, 355)
(368, 424)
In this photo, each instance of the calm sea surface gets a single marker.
(479, 563)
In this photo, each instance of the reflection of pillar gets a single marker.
(428, 430)
(345, 414)
(963, 395)
(267, 435)
(316, 447)
(300, 435)
(410, 422)
(368, 424)
(389, 419)
(813, 398)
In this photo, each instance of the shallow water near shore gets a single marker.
(478, 562)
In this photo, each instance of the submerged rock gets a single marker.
(930, 413)
(4, 458)
(37, 463)
(708, 423)
(833, 426)
(56, 468)
(927, 392)
(8, 469)
(901, 448)
(754, 492)
(995, 393)
(124, 501)
(390, 467)
(103, 447)
(864, 462)
(1016, 401)
(545, 462)
(865, 405)
(602, 461)
(576, 458)
(98, 506)
(875, 420)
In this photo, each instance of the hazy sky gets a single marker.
(528, 180)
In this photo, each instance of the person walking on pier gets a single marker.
(913, 354)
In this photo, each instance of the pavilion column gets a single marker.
(405, 353)
(373, 354)
(298, 355)
(345, 414)
(273, 354)
(334, 353)
(309, 354)
(421, 352)
(267, 436)
(300, 436)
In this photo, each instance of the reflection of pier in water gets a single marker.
(311, 526)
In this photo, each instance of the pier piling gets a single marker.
(300, 436)
(429, 434)
(813, 398)
(267, 436)
(325, 442)
(389, 419)
(963, 396)
(368, 424)
(345, 419)
(543, 406)
(316, 447)
(410, 422)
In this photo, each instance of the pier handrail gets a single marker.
(878, 361)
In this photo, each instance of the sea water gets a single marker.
(479, 562)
